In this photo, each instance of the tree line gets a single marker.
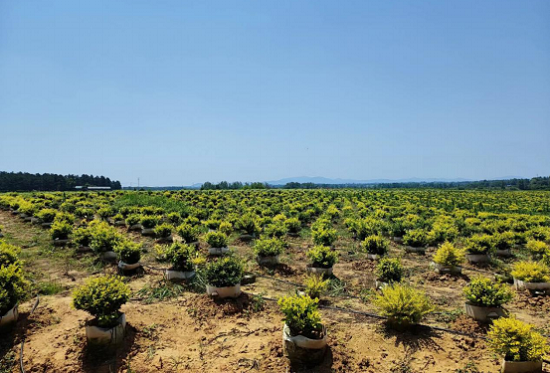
(26, 182)
(536, 183)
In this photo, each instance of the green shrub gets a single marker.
(163, 230)
(415, 238)
(537, 248)
(315, 285)
(504, 241)
(182, 256)
(224, 272)
(531, 272)
(301, 316)
(212, 224)
(277, 230)
(105, 212)
(483, 292)
(479, 244)
(13, 286)
(102, 297)
(46, 215)
(149, 221)
(9, 254)
(118, 217)
(60, 230)
(268, 247)
(128, 251)
(293, 225)
(64, 217)
(402, 305)
(82, 236)
(174, 218)
(188, 233)
(517, 341)
(375, 245)
(226, 228)
(325, 237)
(322, 256)
(216, 239)
(133, 219)
(247, 224)
(539, 233)
(449, 255)
(389, 270)
(104, 237)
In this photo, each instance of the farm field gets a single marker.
(175, 326)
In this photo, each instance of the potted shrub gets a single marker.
(478, 248)
(13, 287)
(523, 348)
(9, 254)
(148, 223)
(415, 241)
(537, 248)
(182, 257)
(322, 259)
(133, 222)
(403, 305)
(104, 239)
(223, 277)
(388, 271)
(315, 285)
(60, 231)
(226, 228)
(503, 243)
(293, 226)
(248, 226)
(46, 217)
(82, 237)
(163, 232)
(304, 336)
(129, 254)
(533, 276)
(188, 233)
(118, 220)
(375, 246)
(102, 297)
(324, 236)
(268, 250)
(217, 242)
(448, 259)
(484, 299)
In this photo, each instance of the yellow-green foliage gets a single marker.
(375, 245)
(226, 228)
(301, 315)
(61, 230)
(537, 248)
(102, 297)
(531, 272)
(316, 286)
(449, 255)
(481, 291)
(13, 286)
(517, 341)
(322, 256)
(402, 304)
(8, 254)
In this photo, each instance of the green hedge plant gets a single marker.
(517, 341)
(302, 316)
(389, 270)
(375, 245)
(224, 272)
(102, 297)
(483, 292)
(182, 256)
(128, 251)
(268, 247)
(402, 305)
(188, 233)
(216, 239)
(322, 257)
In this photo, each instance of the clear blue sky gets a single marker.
(178, 92)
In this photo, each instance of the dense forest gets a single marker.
(24, 181)
(536, 183)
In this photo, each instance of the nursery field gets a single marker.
(374, 280)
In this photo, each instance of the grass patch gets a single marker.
(143, 199)
(49, 287)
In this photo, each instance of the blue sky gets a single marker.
(178, 92)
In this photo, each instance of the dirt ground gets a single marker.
(193, 333)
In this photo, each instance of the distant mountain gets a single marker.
(324, 180)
